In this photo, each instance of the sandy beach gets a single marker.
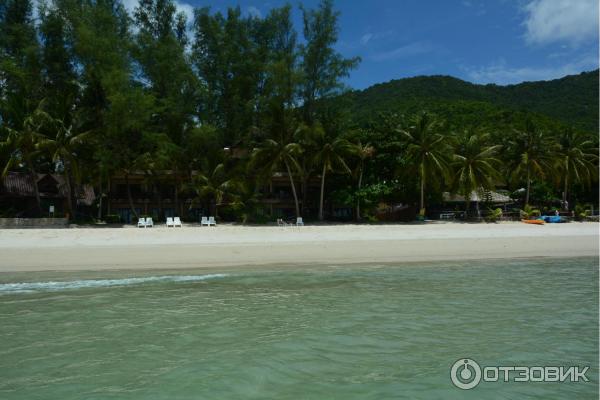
(231, 245)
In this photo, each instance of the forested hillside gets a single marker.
(572, 100)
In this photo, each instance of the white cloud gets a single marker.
(572, 21)
(253, 12)
(187, 9)
(502, 74)
(409, 50)
(364, 39)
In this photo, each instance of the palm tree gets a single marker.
(330, 156)
(575, 156)
(272, 155)
(427, 150)
(23, 147)
(63, 150)
(214, 185)
(363, 152)
(475, 165)
(531, 151)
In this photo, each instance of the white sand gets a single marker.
(228, 245)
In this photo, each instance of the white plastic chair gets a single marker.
(149, 222)
(211, 221)
(204, 222)
(170, 222)
(177, 222)
(142, 223)
(299, 221)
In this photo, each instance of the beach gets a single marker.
(235, 245)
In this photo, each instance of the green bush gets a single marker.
(494, 215)
(529, 212)
(581, 213)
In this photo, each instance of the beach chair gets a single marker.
(142, 223)
(170, 222)
(177, 222)
(204, 222)
(299, 221)
(149, 222)
(211, 221)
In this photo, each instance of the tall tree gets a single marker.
(274, 154)
(322, 67)
(530, 156)
(475, 166)
(160, 48)
(363, 152)
(20, 75)
(23, 147)
(61, 89)
(331, 156)
(575, 157)
(427, 151)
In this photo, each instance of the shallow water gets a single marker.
(322, 332)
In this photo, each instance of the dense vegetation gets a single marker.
(572, 101)
(227, 100)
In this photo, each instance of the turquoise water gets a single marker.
(322, 332)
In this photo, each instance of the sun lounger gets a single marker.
(142, 223)
(177, 222)
(204, 221)
(211, 221)
(149, 222)
(299, 221)
(170, 222)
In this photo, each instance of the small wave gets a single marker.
(29, 287)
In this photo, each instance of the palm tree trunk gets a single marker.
(528, 186)
(360, 177)
(422, 204)
(100, 199)
(176, 192)
(287, 166)
(322, 193)
(69, 189)
(108, 196)
(129, 198)
(565, 204)
(36, 190)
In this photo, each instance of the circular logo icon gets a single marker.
(465, 374)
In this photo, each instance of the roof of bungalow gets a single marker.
(478, 196)
(18, 184)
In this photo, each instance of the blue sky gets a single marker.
(481, 41)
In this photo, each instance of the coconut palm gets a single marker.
(575, 155)
(272, 155)
(22, 145)
(215, 185)
(531, 150)
(474, 164)
(331, 157)
(363, 152)
(63, 149)
(427, 151)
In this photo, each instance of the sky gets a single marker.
(481, 41)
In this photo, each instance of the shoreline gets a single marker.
(91, 249)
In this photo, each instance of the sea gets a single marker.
(345, 332)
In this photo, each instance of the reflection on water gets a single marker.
(347, 332)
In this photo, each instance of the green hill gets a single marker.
(572, 100)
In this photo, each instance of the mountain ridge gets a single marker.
(571, 100)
